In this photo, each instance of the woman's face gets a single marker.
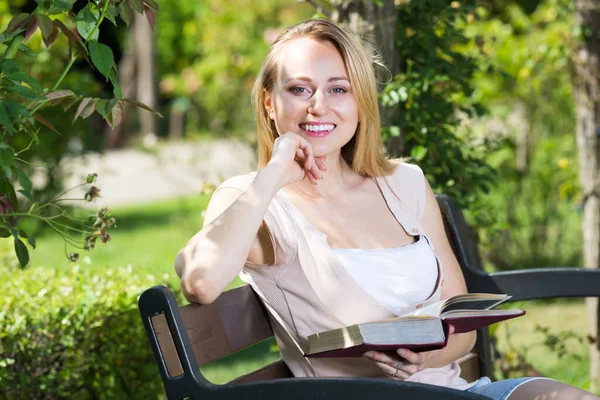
(312, 96)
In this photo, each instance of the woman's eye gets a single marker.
(339, 90)
(299, 90)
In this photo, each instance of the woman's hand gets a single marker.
(295, 155)
(405, 364)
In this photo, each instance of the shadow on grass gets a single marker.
(241, 362)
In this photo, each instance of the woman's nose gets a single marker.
(318, 104)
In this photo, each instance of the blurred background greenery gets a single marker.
(481, 98)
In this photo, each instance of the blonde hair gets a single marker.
(364, 153)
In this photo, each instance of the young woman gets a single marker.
(328, 231)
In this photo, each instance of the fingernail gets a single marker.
(368, 355)
(401, 352)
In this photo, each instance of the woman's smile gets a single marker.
(317, 129)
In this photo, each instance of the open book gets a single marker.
(422, 330)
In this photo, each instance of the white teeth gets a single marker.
(317, 128)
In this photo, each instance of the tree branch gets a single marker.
(319, 8)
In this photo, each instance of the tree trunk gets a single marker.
(115, 137)
(587, 100)
(145, 73)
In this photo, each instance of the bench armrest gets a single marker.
(538, 283)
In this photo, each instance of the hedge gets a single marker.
(75, 334)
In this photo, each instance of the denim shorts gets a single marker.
(499, 390)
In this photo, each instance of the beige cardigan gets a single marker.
(307, 290)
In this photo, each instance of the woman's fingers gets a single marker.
(451, 329)
(411, 356)
(308, 161)
(393, 372)
(320, 161)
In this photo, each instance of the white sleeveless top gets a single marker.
(395, 277)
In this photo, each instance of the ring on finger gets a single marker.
(399, 365)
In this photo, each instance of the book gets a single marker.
(424, 329)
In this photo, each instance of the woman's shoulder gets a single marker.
(407, 171)
(408, 185)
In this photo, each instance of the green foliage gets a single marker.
(433, 86)
(75, 334)
(533, 215)
(211, 53)
(28, 108)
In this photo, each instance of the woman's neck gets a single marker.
(338, 177)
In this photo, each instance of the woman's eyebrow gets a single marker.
(307, 79)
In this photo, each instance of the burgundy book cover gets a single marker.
(358, 351)
(467, 324)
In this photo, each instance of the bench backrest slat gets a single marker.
(236, 320)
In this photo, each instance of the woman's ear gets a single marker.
(269, 103)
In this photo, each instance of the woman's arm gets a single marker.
(233, 229)
(452, 284)
(233, 232)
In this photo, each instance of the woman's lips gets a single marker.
(317, 130)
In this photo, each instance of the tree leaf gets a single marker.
(111, 13)
(151, 4)
(24, 181)
(7, 158)
(27, 195)
(58, 96)
(149, 16)
(104, 107)
(418, 152)
(75, 41)
(21, 91)
(22, 253)
(70, 102)
(45, 24)
(116, 87)
(81, 107)
(6, 35)
(26, 50)
(49, 30)
(125, 12)
(44, 122)
(142, 105)
(60, 6)
(20, 76)
(86, 21)
(18, 22)
(116, 115)
(5, 120)
(31, 241)
(102, 57)
(89, 108)
(137, 5)
(32, 26)
(4, 233)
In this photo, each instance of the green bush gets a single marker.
(75, 334)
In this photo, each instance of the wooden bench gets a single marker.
(185, 338)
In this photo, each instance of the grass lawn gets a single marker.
(561, 317)
(149, 236)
